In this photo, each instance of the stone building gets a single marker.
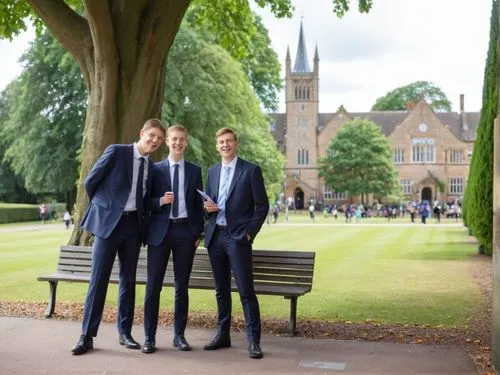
(431, 150)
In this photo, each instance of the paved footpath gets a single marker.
(42, 346)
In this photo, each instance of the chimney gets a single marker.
(411, 105)
(462, 101)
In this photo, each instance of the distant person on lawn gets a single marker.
(67, 219)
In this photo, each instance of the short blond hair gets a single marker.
(176, 126)
(223, 131)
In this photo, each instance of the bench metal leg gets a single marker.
(292, 323)
(52, 299)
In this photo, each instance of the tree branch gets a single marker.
(127, 18)
(101, 29)
(157, 35)
(71, 29)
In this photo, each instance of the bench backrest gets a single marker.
(271, 267)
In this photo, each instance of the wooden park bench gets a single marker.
(276, 272)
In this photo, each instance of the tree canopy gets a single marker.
(218, 94)
(398, 99)
(358, 161)
(46, 109)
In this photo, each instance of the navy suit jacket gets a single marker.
(160, 215)
(247, 205)
(108, 186)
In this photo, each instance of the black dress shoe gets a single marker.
(254, 351)
(181, 343)
(84, 343)
(149, 345)
(218, 342)
(129, 342)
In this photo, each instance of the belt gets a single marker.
(125, 213)
(181, 220)
(220, 227)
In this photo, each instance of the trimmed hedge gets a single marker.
(13, 213)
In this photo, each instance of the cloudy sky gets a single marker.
(363, 56)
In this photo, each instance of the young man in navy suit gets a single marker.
(242, 206)
(118, 186)
(175, 227)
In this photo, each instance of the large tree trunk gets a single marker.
(121, 47)
(114, 116)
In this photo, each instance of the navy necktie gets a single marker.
(139, 191)
(175, 205)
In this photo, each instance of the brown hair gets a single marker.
(223, 131)
(179, 127)
(154, 123)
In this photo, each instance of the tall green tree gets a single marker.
(358, 161)
(207, 89)
(11, 186)
(259, 60)
(478, 197)
(43, 131)
(397, 99)
(121, 47)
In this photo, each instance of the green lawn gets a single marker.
(387, 273)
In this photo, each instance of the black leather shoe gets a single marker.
(218, 342)
(149, 345)
(84, 343)
(254, 351)
(129, 342)
(181, 343)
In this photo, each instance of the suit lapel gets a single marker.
(236, 176)
(167, 172)
(216, 181)
(130, 164)
(150, 176)
(187, 175)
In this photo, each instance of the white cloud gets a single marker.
(363, 56)
(11, 53)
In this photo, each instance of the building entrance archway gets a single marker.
(427, 194)
(299, 198)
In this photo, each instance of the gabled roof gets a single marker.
(301, 62)
(388, 120)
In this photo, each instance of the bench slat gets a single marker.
(276, 272)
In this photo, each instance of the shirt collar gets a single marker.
(172, 162)
(137, 154)
(231, 164)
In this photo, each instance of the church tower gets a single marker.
(302, 109)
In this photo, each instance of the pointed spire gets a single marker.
(301, 63)
(316, 56)
(288, 54)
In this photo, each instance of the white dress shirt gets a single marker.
(130, 205)
(181, 198)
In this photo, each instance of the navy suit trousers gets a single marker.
(125, 241)
(226, 255)
(180, 242)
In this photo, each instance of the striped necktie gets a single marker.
(221, 201)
